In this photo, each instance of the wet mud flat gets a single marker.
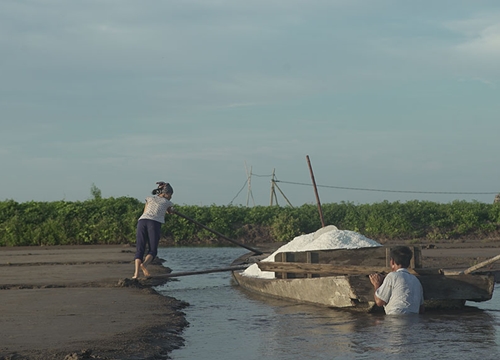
(461, 256)
(78, 302)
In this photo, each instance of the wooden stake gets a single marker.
(273, 192)
(316, 192)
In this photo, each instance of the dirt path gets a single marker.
(79, 303)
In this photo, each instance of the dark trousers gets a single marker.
(148, 233)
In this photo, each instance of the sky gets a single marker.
(395, 97)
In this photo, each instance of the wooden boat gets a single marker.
(339, 279)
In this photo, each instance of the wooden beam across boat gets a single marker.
(330, 269)
(319, 269)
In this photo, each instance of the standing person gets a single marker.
(399, 292)
(149, 226)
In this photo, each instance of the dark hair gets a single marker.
(163, 188)
(401, 255)
(167, 189)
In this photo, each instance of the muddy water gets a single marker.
(228, 323)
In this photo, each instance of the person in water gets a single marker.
(149, 226)
(399, 292)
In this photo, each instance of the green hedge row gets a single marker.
(113, 221)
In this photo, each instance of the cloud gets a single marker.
(479, 44)
(486, 82)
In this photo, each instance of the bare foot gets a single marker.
(136, 276)
(145, 271)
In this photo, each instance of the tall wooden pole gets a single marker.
(249, 184)
(316, 192)
(273, 192)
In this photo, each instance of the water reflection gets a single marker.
(229, 323)
(434, 334)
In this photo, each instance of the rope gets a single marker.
(391, 191)
(244, 185)
(260, 175)
(366, 189)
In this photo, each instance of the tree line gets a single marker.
(113, 221)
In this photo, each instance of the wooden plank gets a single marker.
(374, 256)
(467, 287)
(304, 268)
(330, 269)
(370, 256)
(309, 275)
(417, 257)
(284, 256)
(362, 288)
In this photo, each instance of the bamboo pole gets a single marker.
(198, 272)
(282, 194)
(481, 264)
(329, 269)
(257, 252)
(275, 186)
(249, 185)
(316, 192)
(273, 192)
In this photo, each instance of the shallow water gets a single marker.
(228, 323)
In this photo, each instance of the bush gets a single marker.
(113, 221)
(284, 227)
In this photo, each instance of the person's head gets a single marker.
(167, 189)
(163, 190)
(401, 255)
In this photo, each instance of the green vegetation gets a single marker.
(113, 221)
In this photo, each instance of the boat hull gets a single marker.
(338, 278)
(331, 291)
(355, 292)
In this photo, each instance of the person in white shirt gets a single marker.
(399, 292)
(149, 226)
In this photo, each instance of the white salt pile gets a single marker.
(326, 238)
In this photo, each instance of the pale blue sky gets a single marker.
(398, 95)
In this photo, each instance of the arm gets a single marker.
(377, 280)
(145, 206)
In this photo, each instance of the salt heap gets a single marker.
(326, 238)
